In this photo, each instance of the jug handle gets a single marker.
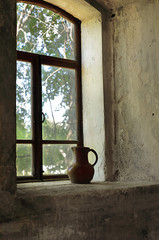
(91, 150)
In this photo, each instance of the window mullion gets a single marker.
(79, 85)
(37, 118)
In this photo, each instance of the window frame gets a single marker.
(36, 61)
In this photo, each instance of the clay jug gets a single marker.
(81, 171)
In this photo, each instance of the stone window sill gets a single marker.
(62, 210)
(39, 200)
(66, 188)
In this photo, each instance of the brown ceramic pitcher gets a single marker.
(81, 171)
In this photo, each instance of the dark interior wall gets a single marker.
(7, 108)
(7, 95)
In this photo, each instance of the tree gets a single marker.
(42, 31)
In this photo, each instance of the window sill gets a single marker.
(41, 199)
(66, 188)
(62, 210)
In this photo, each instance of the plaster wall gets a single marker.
(85, 10)
(136, 89)
(92, 88)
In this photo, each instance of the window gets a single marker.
(48, 90)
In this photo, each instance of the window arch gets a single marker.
(49, 104)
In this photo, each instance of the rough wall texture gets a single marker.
(7, 109)
(7, 96)
(136, 88)
(84, 212)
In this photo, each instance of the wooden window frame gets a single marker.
(36, 61)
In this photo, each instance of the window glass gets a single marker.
(48, 90)
(56, 158)
(23, 100)
(42, 31)
(58, 100)
(24, 159)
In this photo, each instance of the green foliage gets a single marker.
(42, 31)
(24, 160)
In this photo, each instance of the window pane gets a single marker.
(23, 100)
(24, 159)
(42, 31)
(58, 101)
(56, 158)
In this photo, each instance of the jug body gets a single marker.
(81, 171)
